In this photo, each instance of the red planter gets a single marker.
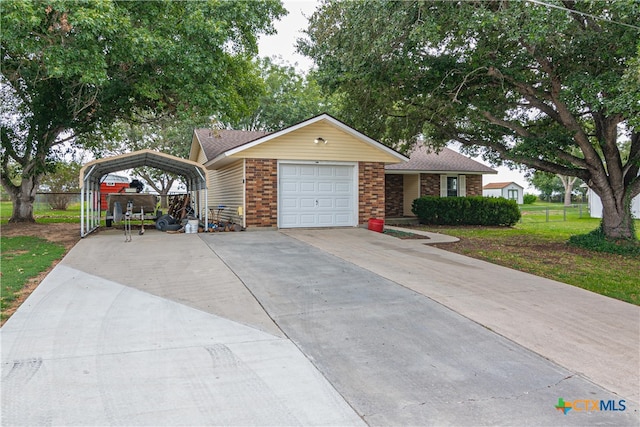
(376, 225)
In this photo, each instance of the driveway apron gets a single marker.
(396, 356)
(156, 331)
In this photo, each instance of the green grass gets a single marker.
(552, 212)
(22, 258)
(44, 214)
(541, 248)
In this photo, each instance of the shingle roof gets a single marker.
(446, 160)
(498, 185)
(216, 142)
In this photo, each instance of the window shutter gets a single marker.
(443, 185)
(462, 185)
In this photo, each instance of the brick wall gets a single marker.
(429, 184)
(393, 195)
(371, 188)
(474, 185)
(261, 177)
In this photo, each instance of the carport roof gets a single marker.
(192, 171)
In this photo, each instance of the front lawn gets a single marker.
(23, 258)
(540, 248)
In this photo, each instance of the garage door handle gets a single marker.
(316, 203)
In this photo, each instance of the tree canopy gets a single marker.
(71, 69)
(554, 86)
(289, 98)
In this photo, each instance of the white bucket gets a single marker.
(192, 226)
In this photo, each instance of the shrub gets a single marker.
(597, 241)
(528, 199)
(475, 210)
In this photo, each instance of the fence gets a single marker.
(56, 201)
(553, 213)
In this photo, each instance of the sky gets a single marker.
(282, 44)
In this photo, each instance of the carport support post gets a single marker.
(82, 211)
(84, 193)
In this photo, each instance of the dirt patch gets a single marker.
(64, 234)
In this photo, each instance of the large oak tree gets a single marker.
(552, 85)
(72, 69)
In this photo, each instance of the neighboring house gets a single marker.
(317, 173)
(445, 174)
(595, 205)
(508, 190)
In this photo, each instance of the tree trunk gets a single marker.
(567, 196)
(567, 182)
(617, 222)
(23, 198)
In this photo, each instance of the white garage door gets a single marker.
(312, 195)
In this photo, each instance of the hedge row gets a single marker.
(475, 210)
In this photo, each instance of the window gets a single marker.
(452, 186)
(512, 194)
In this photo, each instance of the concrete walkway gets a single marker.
(308, 327)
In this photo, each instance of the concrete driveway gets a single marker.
(307, 327)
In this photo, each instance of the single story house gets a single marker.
(508, 190)
(317, 173)
(445, 174)
(595, 205)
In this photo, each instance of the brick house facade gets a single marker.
(371, 183)
(424, 175)
(317, 173)
(261, 192)
(429, 186)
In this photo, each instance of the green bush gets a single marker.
(597, 241)
(475, 210)
(529, 199)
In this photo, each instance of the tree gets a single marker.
(61, 181)
(289, 98)
(549, 184)
(72, 69)
(546, 183)
(520, 82)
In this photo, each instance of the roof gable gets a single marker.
(499, 185)
(446, 160)
(223, 145)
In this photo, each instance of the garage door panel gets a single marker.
(343, 172)
(290, 203)
(288, 186)
(308, 187)
(344, 187)
(317, 196)
(325, 203)
(343, 203)
(307, 203)
(307, 220)
(326, 171)
(288, 170)
(307, 170)
(326, 187)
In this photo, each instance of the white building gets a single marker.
(595, 205)
(508, 190)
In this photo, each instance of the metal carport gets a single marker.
(91, 175)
